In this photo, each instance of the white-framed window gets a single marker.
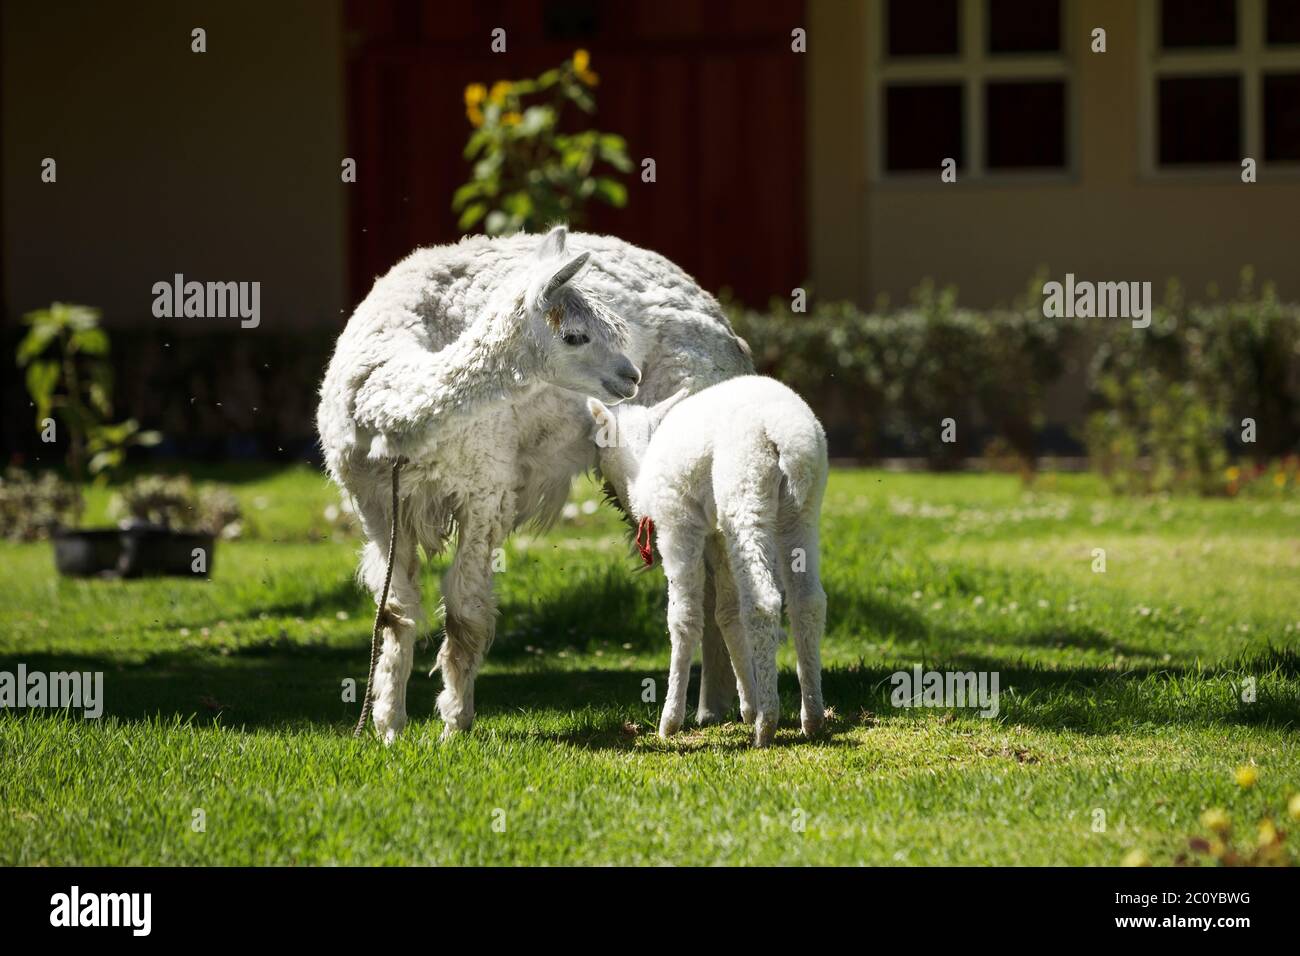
(1220, 82)
(987, 83)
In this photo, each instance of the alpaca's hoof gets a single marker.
(450, 728)
(764, 731)
(388, 724)
(813, 719)
(455, 715)
(669, 725)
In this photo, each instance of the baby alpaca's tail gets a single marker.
(801, 459)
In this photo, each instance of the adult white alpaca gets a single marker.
(470, 361)
(732, 476)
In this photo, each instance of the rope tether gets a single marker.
(381, 615)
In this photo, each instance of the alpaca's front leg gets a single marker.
(683, 556)
(470, 607)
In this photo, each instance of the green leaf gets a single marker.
(471, 190)
(106, 460)
(34, 342)
(42, 379)
(536, 119)
(471, 216)
(612, 191)
(79, 317)
(91, 341)
(518, 204)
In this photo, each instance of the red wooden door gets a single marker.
(711, 91)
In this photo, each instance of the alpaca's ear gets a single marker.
(663, 408)
(564, 274)
(599, 412)
(553, 245)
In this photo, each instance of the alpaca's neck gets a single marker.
(491, 359)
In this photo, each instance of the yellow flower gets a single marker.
(1280, 479)
(510, 119)
(1233, 473)
(1216, 820)
(581, 64)
(475, 116)
(1247, 776)
(1136, 858)
(500, 89)
(474, 94)
(1267, 832)
(1293, 807)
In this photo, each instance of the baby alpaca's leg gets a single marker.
(750, 552)
(727, 614)
(806, 605)
(683, 556)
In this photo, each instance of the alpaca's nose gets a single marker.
(630, 373)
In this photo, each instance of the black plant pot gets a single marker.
(142, 551)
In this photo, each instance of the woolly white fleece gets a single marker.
(448, 361)
(733, 478)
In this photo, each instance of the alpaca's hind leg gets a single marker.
(683, 556)
(402, 621)
(750, 549)
(717, 682)
(470, 606)
(806, 605)
(727, 616)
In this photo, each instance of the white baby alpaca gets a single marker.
(732, 476)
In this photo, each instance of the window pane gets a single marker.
(922, 27)
(1283, 22)
(923, 126)
(1196, 23)
(1024, 26)
(1200, 120)
(1025, 125)
(1281, 116)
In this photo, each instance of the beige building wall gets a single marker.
(1111, 222)
(221, 166)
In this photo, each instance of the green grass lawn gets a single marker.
(1120, 693)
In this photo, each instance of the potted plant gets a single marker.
(169, 527)
(165, 526)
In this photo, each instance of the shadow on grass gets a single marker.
(270, 690)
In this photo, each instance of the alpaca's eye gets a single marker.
(575, 338)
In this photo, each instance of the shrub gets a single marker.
(529, 172)
(173, 502)
(1168, 402)
(895, 378)
(33, 508)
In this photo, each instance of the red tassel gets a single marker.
(645, 529)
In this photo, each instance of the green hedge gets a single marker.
(887, 381)
(1165, 404)
(1169, 402)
